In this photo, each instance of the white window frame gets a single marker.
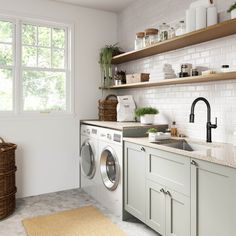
(13, 66)
(18, 111)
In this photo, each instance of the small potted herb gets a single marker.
(232, 10)
(152, 134)
(120, 77)
(146, 114)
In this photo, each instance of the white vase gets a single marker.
(147, 119)
(152, 137)
(233, 14)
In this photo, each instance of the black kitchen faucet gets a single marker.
(209, 125)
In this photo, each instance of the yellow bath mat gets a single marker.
(85, 221)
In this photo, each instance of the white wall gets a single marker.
(47, 157)
(174, 102)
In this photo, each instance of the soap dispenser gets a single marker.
(173, 129)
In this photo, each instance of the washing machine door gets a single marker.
(110, 169)
(87, 160)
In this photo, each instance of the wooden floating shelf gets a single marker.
(186, 80)
(217, 31)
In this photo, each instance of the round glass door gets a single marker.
(87, 161)
(109, 168)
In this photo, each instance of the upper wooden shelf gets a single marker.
(223, 29)
(186, 80)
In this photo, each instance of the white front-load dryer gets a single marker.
(110, 168)
(89, 166)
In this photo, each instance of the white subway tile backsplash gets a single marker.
(174, 102)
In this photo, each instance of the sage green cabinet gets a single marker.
(213, 199)
(177, 214)
(167, 211)
(179, 196)
(169, 169)
(134, 175)
(155, 206)
(152, 178)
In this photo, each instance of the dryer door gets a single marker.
(87, 160)
(109, 168)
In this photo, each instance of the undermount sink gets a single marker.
(181, 144)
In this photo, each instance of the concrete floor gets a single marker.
(54, 202)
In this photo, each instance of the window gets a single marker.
(37, 70)
(6, 65)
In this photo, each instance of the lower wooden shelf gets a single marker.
(186, 80)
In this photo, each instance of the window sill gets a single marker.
(36, 116)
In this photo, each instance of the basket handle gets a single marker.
(2, 140)
(110, 96)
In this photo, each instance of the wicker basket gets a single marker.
(7, 178)
(7, 205)
(137, 78)
(107, 108)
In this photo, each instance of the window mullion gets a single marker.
(37, 45)
(17, 72)
(51, 46)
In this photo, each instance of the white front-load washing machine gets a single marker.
(110, 167)
(89, 160)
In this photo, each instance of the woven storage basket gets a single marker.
(7, 205)
(7, 178)
(107, 108)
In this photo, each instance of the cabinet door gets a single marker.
(155, 206)
(134, 175)
(213, 204)
(169, 169)
(177, 214)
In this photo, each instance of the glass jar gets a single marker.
(180, 28)
(151, 37)
(225, 68)
(171, 33)
(164, 32)
(139, 41)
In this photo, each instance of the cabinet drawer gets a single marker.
(171, 170)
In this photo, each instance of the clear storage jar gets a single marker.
(172, 33)
(164, 32)
(180, 28)
(139, 41)
(151, 37)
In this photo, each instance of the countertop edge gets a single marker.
(196, 154)
(123, 125)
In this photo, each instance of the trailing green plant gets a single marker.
(152, 130)
(105, 58)
(107, 53)
(232, 7)
(146, 111)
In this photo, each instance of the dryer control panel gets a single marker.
(117, 138)
(111, 136)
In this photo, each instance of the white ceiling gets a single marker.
(106, 5)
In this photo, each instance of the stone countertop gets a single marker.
(119, 125)
(219, 153)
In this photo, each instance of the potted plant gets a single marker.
(105, 59)
(120, 77)
(146, 114)
(232, 10)
(152, 134)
